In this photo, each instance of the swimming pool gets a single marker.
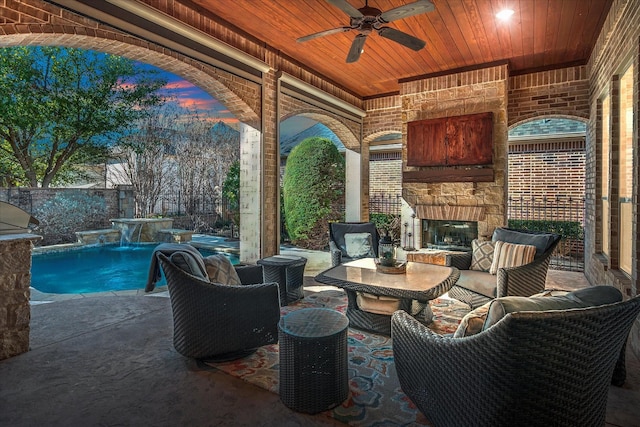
(95, 269)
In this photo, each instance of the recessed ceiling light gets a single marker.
(504, 14)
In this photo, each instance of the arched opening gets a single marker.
(546, 183)
(218, 84)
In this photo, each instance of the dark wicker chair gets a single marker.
(221, 322)
(531, 368)
(337, 230)
(523, 281)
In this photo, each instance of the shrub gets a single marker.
(387, 224)
(567, 229)
(313, 191)
(67, 213)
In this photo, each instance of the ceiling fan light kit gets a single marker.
(367, 20)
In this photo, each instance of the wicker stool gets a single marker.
(313, 359)
(288, 272)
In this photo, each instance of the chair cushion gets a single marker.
(220, 270)
(478, 281)
(511, 255)
(186, 261)
(541, 241)
(482, 255)
(377, 304)
(582, 298)
(358, 245)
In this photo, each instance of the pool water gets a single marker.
(95, 269)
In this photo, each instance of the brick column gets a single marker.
(15, 279)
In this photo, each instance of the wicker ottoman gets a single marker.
(313, 359)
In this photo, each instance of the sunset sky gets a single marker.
(192, 97)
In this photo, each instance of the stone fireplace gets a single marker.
(456, 192)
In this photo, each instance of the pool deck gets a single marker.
(110, 361)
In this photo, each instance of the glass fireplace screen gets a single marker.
(448, 235)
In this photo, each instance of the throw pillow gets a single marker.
(187, 262)
(511, 255)
(472, 322)
(220, 270)
(358, 245)
(482, 255)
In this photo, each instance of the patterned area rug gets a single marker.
(375, 397)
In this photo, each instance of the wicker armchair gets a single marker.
(337, 245)
(530, 368)
(221, 322)
(525, 280)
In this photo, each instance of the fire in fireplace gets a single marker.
(448, 235)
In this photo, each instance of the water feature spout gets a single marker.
(127, 232)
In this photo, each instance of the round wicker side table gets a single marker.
(313, 359)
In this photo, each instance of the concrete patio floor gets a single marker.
(109, 360)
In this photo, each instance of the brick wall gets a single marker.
(385, 178)
(616, 47)
(558, 93)
(547, 171)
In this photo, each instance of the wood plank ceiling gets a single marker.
(459, 34)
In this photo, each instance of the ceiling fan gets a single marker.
(369, 19)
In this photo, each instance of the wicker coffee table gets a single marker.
(420, 284)
(313, 359)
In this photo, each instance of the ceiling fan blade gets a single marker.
(402, 38)
(356, 48)
(323, 33)
(401, 12)
(346, 8)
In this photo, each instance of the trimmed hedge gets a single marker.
(567, 229)
(313, 188)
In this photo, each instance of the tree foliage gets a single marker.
(313, 191)
(231, 191)
(61, 107)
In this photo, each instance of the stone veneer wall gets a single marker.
(469, 92)
(15, 280)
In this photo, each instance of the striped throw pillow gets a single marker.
(511, 255)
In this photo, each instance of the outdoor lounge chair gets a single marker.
(476, 288)
(217, 322)
(533, 368)
(352, 240)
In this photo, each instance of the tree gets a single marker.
(62, 107)
(143, 158)
(231, 191)
(203, 158)
(313, 191)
